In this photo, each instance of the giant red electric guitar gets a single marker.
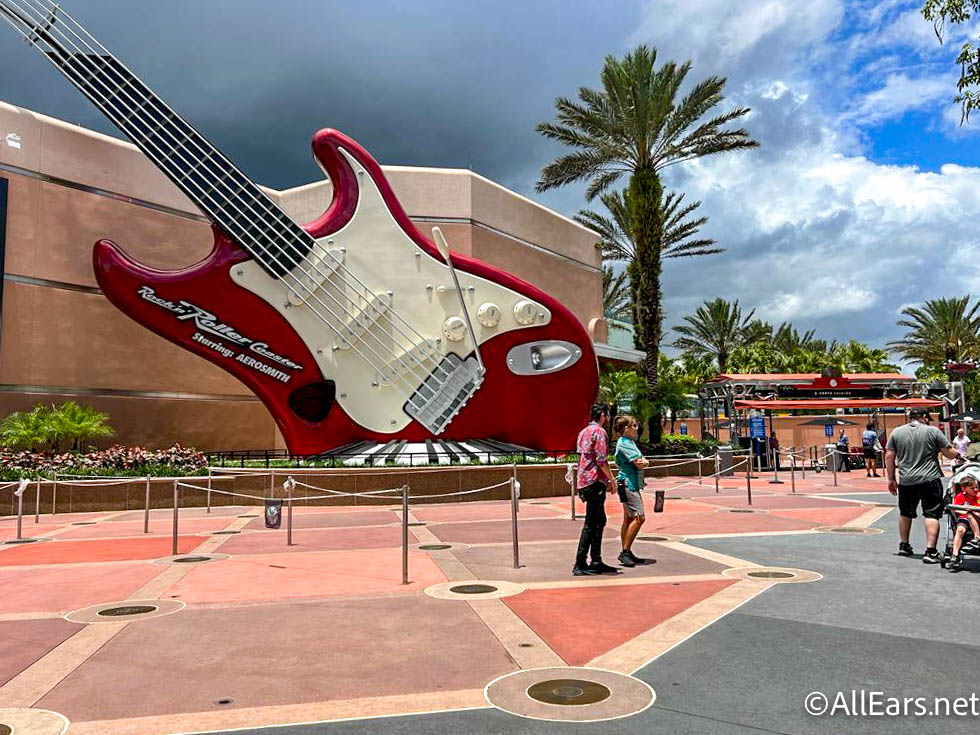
(352, 327)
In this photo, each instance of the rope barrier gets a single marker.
(329, 472)
(338, 493)
(85, 483)
(212, 490)
(695, 482)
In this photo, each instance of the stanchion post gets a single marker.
(574, 488)
(803, 466)
(717, 470)
(748, 462)
(289, 510)
(54, 496)
(404, 534)
(37, 502)
(748, 482)
(775, 468)
(792, 472)
(513, 521)
(833, 464)
(176, 506)
(515, 481)
(146, 509)
(699, 468)
(20, 508)
(209, 490)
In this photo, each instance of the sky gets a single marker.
(860, 201)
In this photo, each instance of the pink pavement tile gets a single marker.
(488, 532)
(310, 519)
(313, 539)
(95, 550)
(224, 511)
(22, 642)
(482, 512)
(312, 574)
(27, 530)
(61, 589)
(158, 526)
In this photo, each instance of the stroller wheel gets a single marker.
(943, 564)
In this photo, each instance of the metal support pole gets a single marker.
(574, 488)
(748, 483)
(20, 508)
(758, 462)
(54, 497)
(748, 461)
(699, 468)
(272, 484)
(515, 480)
(803, 465)
(775, 468)
(289, 512)
(404, 534)
(37, 502)
(792, 472)
(146, 510)
(209, 490)
(176, 507)
(717, 470)
(833, 454)
(513, 520)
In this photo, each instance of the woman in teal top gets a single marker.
(630, 461)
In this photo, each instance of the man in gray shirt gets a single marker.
(916, 446)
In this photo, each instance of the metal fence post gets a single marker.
(20, 505)
(515, 480)
(574, 488)
(37, 502)
(146, 510)
(209, 490)
(803, 465)
(833, 464)
(288, 484)
(54, 496)
(775, 468)
(699, 468)
(176, 507)
(792, 472)
(514, 485)
(748, 482)
(717, 470)
(404, 534)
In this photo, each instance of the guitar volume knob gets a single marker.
(488, 314)
(454, 328)
(525, 312)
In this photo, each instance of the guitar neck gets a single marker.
(204, 174)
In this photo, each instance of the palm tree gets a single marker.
(616, 301)
(26, 429)
(941, 330)
(714, 331)
(635, 126)
(78, 423)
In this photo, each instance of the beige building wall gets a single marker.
(59, 338)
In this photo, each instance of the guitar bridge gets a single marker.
(444, 393)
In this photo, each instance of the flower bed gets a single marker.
(117, 460)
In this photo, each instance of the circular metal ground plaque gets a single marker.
(780, 575)
(476, 589)
(31, 721)
(473, 589)
(434, 547)
(224, 533)
(855, 530)
(569, 694)
(540, 502)
(660, 538)
(249, 515)
(84, 523)
(14, 541)
(185, 559)
(125, 611)
(742, 510)
(122, 610)
(416, 523)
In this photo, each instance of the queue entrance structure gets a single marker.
(733, 403)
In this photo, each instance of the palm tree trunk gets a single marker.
(646, 216)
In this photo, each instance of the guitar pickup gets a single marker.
(351, 332)
(406, 363)
(313, 272)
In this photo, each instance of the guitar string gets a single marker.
(277, 214)
(114, 114)
(400, 360)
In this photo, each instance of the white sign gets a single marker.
(13, 140)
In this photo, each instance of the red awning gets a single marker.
(811, 403)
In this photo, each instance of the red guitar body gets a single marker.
(541, 411)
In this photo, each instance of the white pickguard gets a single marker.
(417, 289)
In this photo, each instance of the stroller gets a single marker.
(971, 545)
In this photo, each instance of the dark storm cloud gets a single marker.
(427, 83)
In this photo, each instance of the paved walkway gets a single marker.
(324, 631)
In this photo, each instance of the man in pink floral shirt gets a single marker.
(594, 480)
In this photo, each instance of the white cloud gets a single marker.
(899, 94)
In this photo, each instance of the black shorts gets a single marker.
(930, 494)
(870, 453)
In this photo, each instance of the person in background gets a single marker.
(774, 448)
(965, 486)
(869, 444)
(630, 461)
(961, 442)
(594, 480)
(914, 448)
(843, 448)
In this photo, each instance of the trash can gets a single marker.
(828, 463)
(273, 512)
(724, 461)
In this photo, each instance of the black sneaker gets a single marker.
(905, 549)
(626, 559)
(639, 560)
(932, 557)
(956, 563)
(599, 568)
(583, 571)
